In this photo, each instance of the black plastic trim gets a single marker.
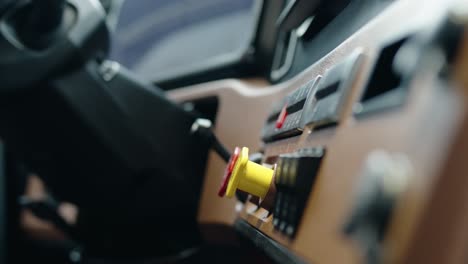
(272, 249)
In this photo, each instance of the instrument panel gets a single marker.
(365, 147)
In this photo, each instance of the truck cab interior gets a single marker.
(220, 131)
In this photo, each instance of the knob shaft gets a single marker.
(249, 177)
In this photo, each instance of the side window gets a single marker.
(161, 39)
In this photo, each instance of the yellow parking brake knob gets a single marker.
(249, 177)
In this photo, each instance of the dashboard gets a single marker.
(360, 150)
(274, 131)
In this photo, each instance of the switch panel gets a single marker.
(294, 178)
(324, 107)
(285, 117)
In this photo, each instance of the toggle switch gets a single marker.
(282, 117)
(385, 177)
(245, 175)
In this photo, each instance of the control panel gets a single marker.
(360, 154)
(294, 179)
(318, 102)
(324, 108)
(285, 116)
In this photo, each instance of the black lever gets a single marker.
(203, 127)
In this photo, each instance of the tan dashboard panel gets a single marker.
(424, 129)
